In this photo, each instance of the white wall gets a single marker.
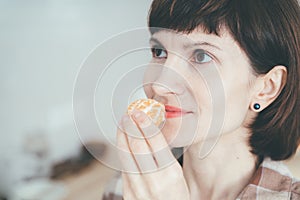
(42, 44)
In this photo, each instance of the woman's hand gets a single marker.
(150, 170)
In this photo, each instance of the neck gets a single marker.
(224, 172)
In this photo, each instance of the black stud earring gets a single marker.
(256, 106)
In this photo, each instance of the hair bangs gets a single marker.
(187, 15)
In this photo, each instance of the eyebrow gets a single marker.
(188, 45)
(152, 39)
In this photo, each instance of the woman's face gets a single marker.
(204, 80)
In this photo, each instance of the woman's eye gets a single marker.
(158, 53)
(200, 56)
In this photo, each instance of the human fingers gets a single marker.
(154, 139)
(128, 162)
(138, 147)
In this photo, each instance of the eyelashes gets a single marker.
(199, 56)
(158, 52)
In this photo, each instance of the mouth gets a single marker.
(172, 112)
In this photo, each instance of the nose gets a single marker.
(170, 81)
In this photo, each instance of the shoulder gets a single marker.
(272, 180)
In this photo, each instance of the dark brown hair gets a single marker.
(268, 31)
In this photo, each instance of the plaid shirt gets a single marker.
(272, 181)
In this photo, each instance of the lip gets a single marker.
(172, 111)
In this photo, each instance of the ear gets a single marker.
(268, 87)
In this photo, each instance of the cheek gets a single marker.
(200, 122)
(199, 92)
(236, 104)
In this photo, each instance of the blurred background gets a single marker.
(42, 45)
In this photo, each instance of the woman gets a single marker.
(255, 47)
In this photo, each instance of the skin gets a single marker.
(228, 168)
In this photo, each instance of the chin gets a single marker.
(180, 132)
(179, 139)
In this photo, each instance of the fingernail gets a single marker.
(141, 118)
(125, 118)
(136, 114)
